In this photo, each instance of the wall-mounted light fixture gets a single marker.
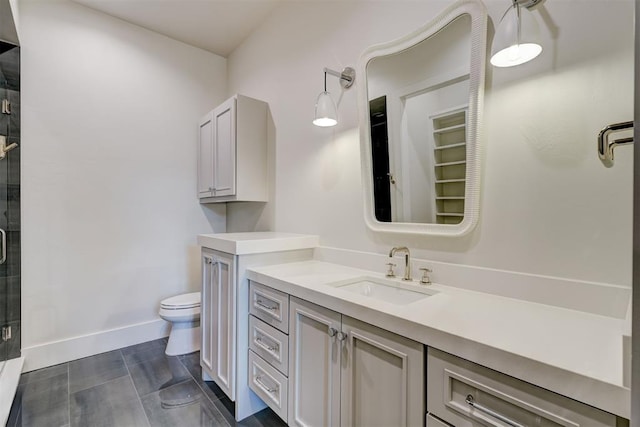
(516, 39)
(326, 112)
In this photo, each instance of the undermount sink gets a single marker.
(393, 291)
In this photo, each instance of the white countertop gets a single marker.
(257, 242)
(572, 353)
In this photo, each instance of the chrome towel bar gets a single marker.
(605, 146)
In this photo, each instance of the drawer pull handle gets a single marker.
(261, 303)
(267, 347)
(264, 386)
(471, 402)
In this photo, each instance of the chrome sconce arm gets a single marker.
(347, 77)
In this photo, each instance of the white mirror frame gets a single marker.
(477, 11)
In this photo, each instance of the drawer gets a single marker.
(464, 394)
(269, 343)
(269, 305)
(269, 384)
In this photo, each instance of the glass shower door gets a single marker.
(9, 201)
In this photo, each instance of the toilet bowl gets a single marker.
(183, 311)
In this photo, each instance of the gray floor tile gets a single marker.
(95, 370)
(42, 374)
(264, 418)
(192, 363)
(182, 404)
(44, 402)
(44, 417)
(227, 409)
(49, 391)
(142, 352)
(114, 403)
(172, 389)
(157, 374)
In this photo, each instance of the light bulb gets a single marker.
(516, 54)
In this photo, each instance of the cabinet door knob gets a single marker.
(342, 336)
(332, 332)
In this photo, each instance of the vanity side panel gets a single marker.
(251, 146)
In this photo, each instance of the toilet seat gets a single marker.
(181, 302)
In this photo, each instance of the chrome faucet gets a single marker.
(407, 260)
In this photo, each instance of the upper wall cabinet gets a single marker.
(421, 104)
(232, 152)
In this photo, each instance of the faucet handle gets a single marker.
(425, 280)
(390, 272)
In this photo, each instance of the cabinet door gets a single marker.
(382, 377)
(223, 327)
(224, 156)
(206, 315)
(205, 157)
(314, 365)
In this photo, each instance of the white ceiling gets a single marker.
(218, 26)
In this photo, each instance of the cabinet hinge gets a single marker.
(6, 333)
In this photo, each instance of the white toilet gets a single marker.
(183, 311)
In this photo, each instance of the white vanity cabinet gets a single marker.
(346, 372)
(217, 319)
(232, 152)
(224, 356)
(465, 394)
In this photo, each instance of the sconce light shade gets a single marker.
(516, 40)
(326, 113)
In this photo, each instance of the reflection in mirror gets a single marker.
(418, 101)
(419, 145)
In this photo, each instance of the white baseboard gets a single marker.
(56, 352)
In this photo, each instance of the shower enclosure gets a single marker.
(9, 202)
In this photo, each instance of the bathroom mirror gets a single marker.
(420, 100)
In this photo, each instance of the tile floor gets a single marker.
(130, 387)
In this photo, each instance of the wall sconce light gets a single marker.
(516, 38)
(326, 111)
